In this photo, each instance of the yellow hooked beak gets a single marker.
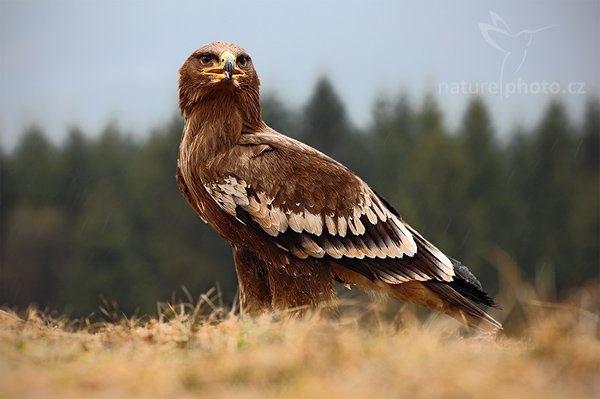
(227, 68)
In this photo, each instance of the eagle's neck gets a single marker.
(214, 125)
(219, 120)
(212, 128)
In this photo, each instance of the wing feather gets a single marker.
(310, 205)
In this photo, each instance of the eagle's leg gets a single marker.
(253, 280)
(303, 284)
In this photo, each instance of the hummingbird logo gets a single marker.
(514, 45)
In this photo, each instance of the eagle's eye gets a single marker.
(206, 59)
(242, 61)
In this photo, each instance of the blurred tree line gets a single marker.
(103, 216)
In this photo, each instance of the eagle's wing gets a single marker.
(312, 206)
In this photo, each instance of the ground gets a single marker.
(189, 352)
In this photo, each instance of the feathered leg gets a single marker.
(302, 284)
(253, 280)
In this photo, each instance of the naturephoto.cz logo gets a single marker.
(514, 47)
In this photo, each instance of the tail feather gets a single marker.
(462, 307)
(462, 296)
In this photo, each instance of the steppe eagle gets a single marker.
(296, 219)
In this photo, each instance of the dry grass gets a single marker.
(202, 351)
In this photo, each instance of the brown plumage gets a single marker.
(296, 219)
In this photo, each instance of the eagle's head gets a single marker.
(214, 70)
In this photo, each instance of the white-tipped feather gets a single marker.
(353, 251)
(330, 223)
(280, 219)
(377, 251)
(360, 227)
(311, 247)
(378, 208)
(371, 215)
(333, 251)
(296, 222)
(253, 206)
(241, 200)
(342, 226)
(408, 245)
(352, 226)
(299, 253)
(268, 227)
(362, 248)
(358, 212)
(313, 223)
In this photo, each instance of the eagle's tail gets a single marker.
(457, 298)
(462, 296)
(463, 308)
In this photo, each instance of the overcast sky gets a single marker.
(86, 63)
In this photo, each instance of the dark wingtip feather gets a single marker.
(466, 284)
(472, 293)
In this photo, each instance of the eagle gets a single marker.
(298, 220)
